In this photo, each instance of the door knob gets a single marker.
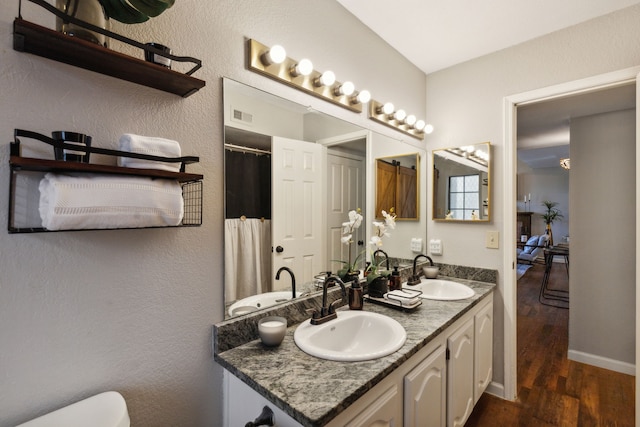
(279, 249)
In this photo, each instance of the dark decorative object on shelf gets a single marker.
(35, 39)
(74, 138)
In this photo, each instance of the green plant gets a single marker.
(552, 213)
(134, 11)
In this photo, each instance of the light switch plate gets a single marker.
(435, 246)
(416, 245)
(493, 239)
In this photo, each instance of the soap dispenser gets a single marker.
(355, 296)
(395, 282)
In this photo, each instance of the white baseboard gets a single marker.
(602, 362)
(495, 389)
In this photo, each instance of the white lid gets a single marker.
(106, 409)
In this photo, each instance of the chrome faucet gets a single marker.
(385, 256)
(415, 279)
(328, 312)
(293, 280)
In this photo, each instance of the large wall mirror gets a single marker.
(292, 175)
(397, 185)
(461, 183)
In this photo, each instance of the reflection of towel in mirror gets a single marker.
(99, 201)
(149, 145)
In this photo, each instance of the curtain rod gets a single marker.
(246, 149)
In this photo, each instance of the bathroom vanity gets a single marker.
(435, 379)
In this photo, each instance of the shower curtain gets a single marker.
(247, 251)
(248, 269)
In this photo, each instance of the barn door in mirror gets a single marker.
(397, 185)
(461, 183)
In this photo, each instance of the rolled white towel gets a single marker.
(150, 145)
(104, 201)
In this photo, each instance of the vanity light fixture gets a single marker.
(400, 115)
(346, 89)
(302, 68)
(362, 97)
(328, 78)
(274, 63)
(428, 129)
(396, 119)
(275, 55)
(387, 108)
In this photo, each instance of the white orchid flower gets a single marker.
(389, 219)
(346, 239)
(355, 219)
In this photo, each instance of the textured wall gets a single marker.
(465, 104)
(131, 310)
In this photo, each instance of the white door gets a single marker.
(297, 208)
(345, 192)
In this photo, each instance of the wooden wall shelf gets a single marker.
(35, 39)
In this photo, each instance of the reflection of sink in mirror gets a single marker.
(353, 336)
(443, 290)
(256, 302)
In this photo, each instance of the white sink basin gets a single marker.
(443, 290)
(353, 336)
(256, 302)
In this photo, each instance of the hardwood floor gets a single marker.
(552, 390)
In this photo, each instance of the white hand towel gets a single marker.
(101, 201)
(150, 145)
(404, 298)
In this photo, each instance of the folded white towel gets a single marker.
(150, 145)
(102, 201)
(404, 298)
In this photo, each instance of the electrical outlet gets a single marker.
(493, 239)
(435, 246)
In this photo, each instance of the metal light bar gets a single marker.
(376, 114)
(282, 73)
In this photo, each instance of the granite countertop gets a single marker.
(304, 386)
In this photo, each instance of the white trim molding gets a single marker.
(602, 362)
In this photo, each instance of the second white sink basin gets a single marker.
(443, 290)
(353, 336)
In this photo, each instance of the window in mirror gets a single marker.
(461, 177)
(397, 185)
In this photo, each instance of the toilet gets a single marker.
(106, 409)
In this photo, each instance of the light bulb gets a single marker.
(346, 88)
(302, 68)
(275, 55)
(363, 96)
(428, 129)
(420, 124)
(328, 78)
(400, 115)
(387, 108)
(411, 120)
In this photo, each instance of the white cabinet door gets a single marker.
(425, 390)
(460, 374)
(385, 411)
(483, 336)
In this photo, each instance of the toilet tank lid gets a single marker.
(107, 409)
